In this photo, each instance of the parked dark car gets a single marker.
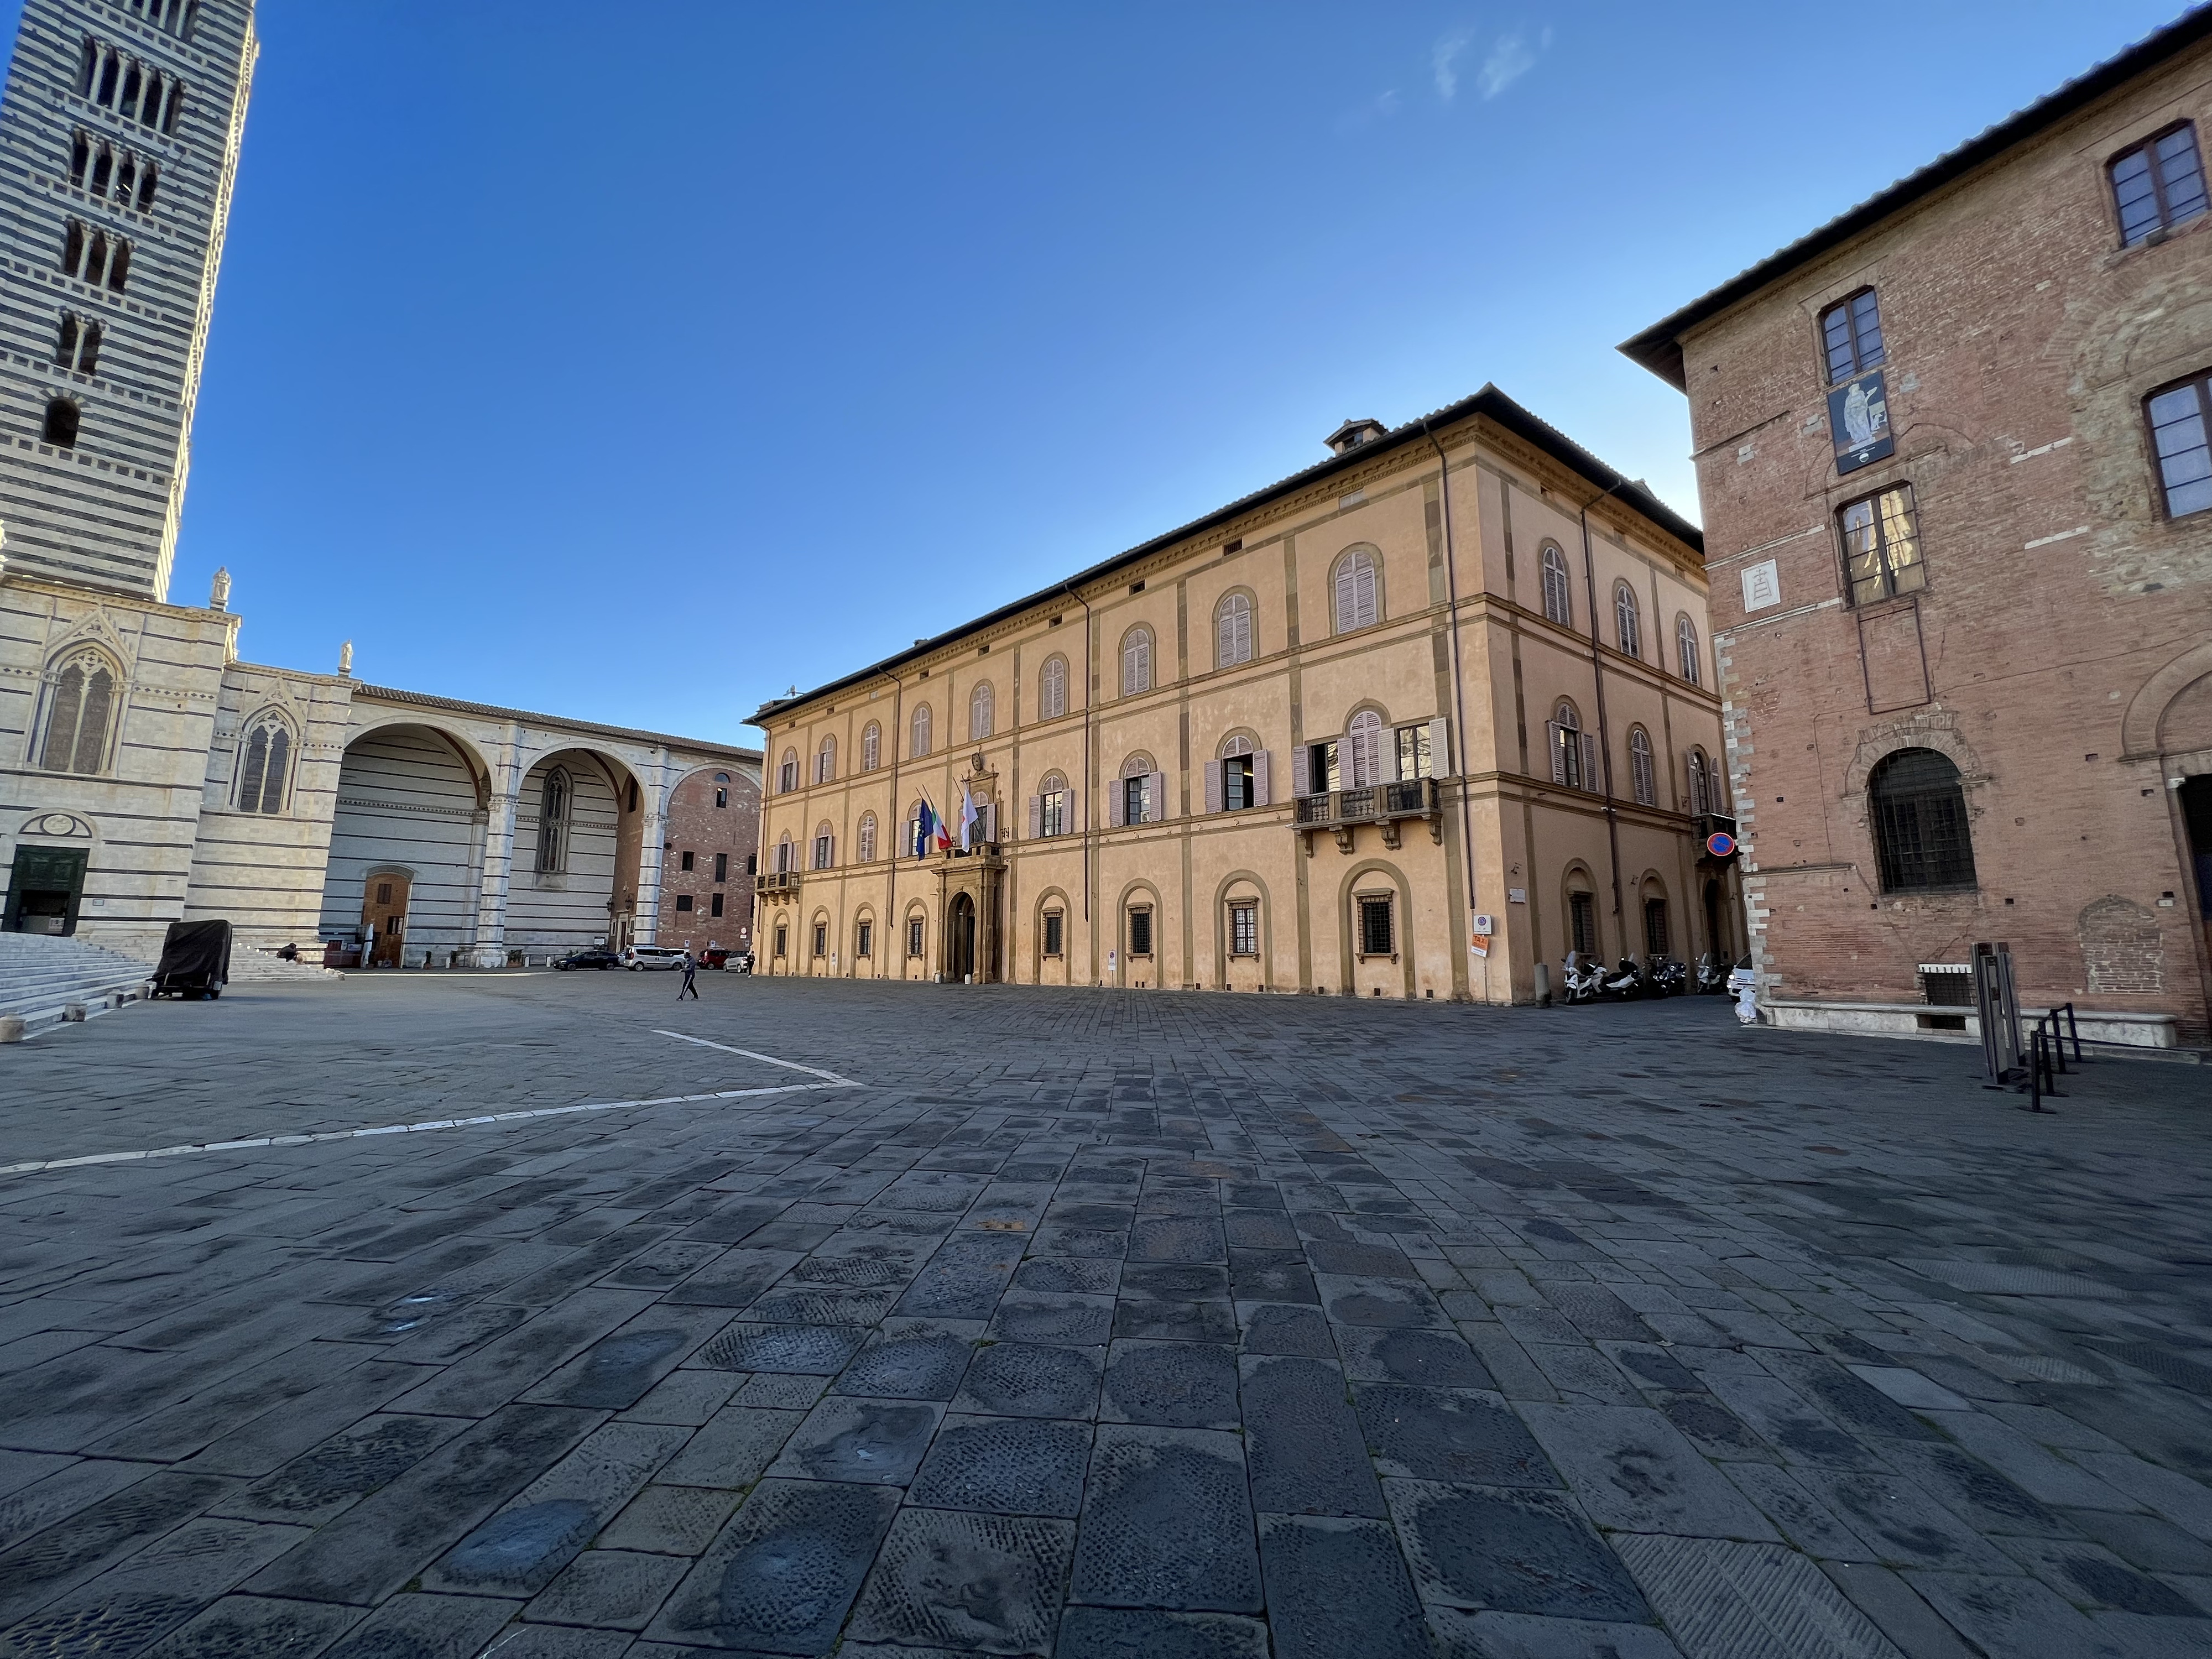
(594, 958)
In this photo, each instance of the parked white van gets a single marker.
(636, 957)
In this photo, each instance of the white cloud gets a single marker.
(1443, 58)
(1511, 57)
(1380, 108)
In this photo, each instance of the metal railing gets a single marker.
(1412, 798)
(777, 881)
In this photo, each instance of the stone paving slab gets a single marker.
(1090, 1324)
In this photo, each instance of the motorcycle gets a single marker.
(1582, 980)
(1712, 975)
(1666, 977)
(1624, 982)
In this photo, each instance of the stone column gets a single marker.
(654, 800)
(506, 772)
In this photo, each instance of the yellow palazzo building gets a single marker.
(1409, 723)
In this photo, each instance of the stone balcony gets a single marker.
(1386, 805)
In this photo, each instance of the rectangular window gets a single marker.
(1881, 545)
(821, 938)
(721, 867)
(683, 900)
(1581, 923)
(822, 851)
(1055, 932)
(1244, 928)
(1132, 800)
(1140, 932)
(914, 936)
(714, 905)
(1375, 932)
(1655, 927)
(2180, 418)
(1851, 333)
(2159, 184)
(1237, 783)
(863, 941)
(783, 939)
(1414, 760)
(752, 864)
(1053, 813)
(685, 861)
(1324, 768)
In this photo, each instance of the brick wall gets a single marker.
(2064, 613)
(704, 831)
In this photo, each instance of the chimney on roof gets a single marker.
(1353, 434)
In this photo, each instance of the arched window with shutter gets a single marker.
(1574, 751)
(555, 797)
(1136, 661)
(1052, 688)
(1642, 775)
(1233, 630)
(979, 713)
(1628, 622)
(825, 845)
(264, 763)
(786, 772)
(864, 843)
(825, 761)
(1687, 656)
(1357, 594)
(1052, 808)
(1139, 794)
(1559, 596)
(80, 714)
(1702, 800)
(787, 854)
(1917, 808)
(872, 747)
(1362, 742)
(920, 745)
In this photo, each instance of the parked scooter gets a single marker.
(1666, 977)
(1625, 983)
(1582, 979)
(1712, 975)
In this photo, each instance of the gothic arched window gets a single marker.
(1233, 630)
(1355, 589)
(264, 764)
(82, 711)
(1558, 601)
(979, 713)
(1052, 688)
(1917, 808)
(555, 798)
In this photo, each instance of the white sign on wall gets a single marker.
(1762, 586)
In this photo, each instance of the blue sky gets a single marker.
(637, 362)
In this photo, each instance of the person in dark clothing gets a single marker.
(690, 978)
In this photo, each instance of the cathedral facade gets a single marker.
(147, 773)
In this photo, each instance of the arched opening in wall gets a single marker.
(960, 938)
(1580, 893)
(414, 798)
(61, 425)
(384, 898)
(2196, 800)
(576, 859)
(1658, 924)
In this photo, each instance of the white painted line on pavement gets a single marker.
(833, 1082)
(812, 1071)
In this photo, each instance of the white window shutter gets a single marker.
(1590, 779)
(1036, 817)
(1261, 795)
(1440, 765)
(832, 860)
(1554, 736)
(1302, 771)
(1213, 802)
(1117, 803)
(1156, 797)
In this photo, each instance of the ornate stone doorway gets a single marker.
(960, 938)
(44, 889)
(384, 916)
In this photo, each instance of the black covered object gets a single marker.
(195, 959)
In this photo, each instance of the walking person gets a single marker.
(690, 976)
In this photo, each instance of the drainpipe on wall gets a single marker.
(1459, 689)
(1090, 783)
(1604, 732)
(896, 736)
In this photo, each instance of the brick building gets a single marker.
(713, 824)
(1953, 450)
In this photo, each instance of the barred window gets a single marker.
(863, 940)
(1581, 923)
(2158, 184)
(1055, 932)
(1656, 939)
(1917, 810)
(1558, 597)
(1686, 649)
(914, 936)
(1377, 936)
(1881, 545)
(821, 938)
(1245, 927)
(1850, 332)
(1140, 931)
(1627, 620)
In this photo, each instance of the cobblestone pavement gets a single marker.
(1088, 1323)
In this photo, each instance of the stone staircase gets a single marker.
(250, 963)
(43, 977)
